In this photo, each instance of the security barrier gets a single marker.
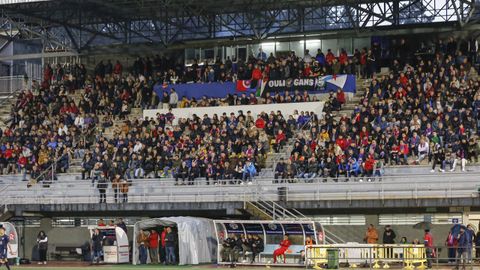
(372, 255)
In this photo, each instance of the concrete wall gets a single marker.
(67, 236)
(285, 108)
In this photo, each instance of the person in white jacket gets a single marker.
(423, 150)
(42, 242)
(79, 121)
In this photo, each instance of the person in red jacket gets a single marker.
(256, 76)
(260, 122)
(368, 166)
(329, 57)
(153, 246)
(162, 246)
(117, 69)
(284, 245)
(279, 140)
(341, 96)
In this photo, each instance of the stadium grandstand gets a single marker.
(321, 134)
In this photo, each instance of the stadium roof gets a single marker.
(79, 24)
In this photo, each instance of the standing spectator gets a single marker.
(117, 69)
(173, 100)
(116, 186)
(470, 239)
(121, 224)
(102, 186)
(389, 239)
(371, 236)
(142, 241)
(97, 246)
(477, 245)
(451, 242)
(124, 186)
(461, 249)
(163, 237)
(170, 247)
(389, 235)
(4, 247)
(153, 246)
(429, 248)
(42, 242)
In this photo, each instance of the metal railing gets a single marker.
(374, 256)
(165, 190)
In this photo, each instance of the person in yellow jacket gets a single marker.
(371, 236)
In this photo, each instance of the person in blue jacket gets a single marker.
(462, 247)
(249, 171)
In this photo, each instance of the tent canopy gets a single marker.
(196, 238)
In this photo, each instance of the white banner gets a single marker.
(286, 109)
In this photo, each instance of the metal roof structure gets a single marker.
(77, 25)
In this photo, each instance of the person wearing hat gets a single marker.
(4, 246)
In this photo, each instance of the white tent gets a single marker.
(196, 238)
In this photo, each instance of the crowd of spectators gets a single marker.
(426, 109)
(418, 113)
(221, 147)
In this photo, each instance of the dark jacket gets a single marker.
(462, 242)
(102, 183)
(170, 240)
(97, 240)
(257, 245)
(389, 237)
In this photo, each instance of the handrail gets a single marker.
(52, 167)
(7, 98)
(265, 181)
(277, 159)
(74, 196)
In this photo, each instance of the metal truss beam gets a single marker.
(88, 23)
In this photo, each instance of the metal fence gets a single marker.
(69, 189)
(10, 84)
(374, 256)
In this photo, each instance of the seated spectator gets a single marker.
(249, 172)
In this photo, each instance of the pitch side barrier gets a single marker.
(365, 255)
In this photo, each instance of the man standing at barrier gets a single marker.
(284, 245)
(428, 242)
(389, 239)
(371, 236)
(462, 248)
(470, 238)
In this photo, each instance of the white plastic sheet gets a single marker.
(196, 238)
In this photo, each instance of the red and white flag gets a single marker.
(243, 85)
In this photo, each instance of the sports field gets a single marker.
(111, 267)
